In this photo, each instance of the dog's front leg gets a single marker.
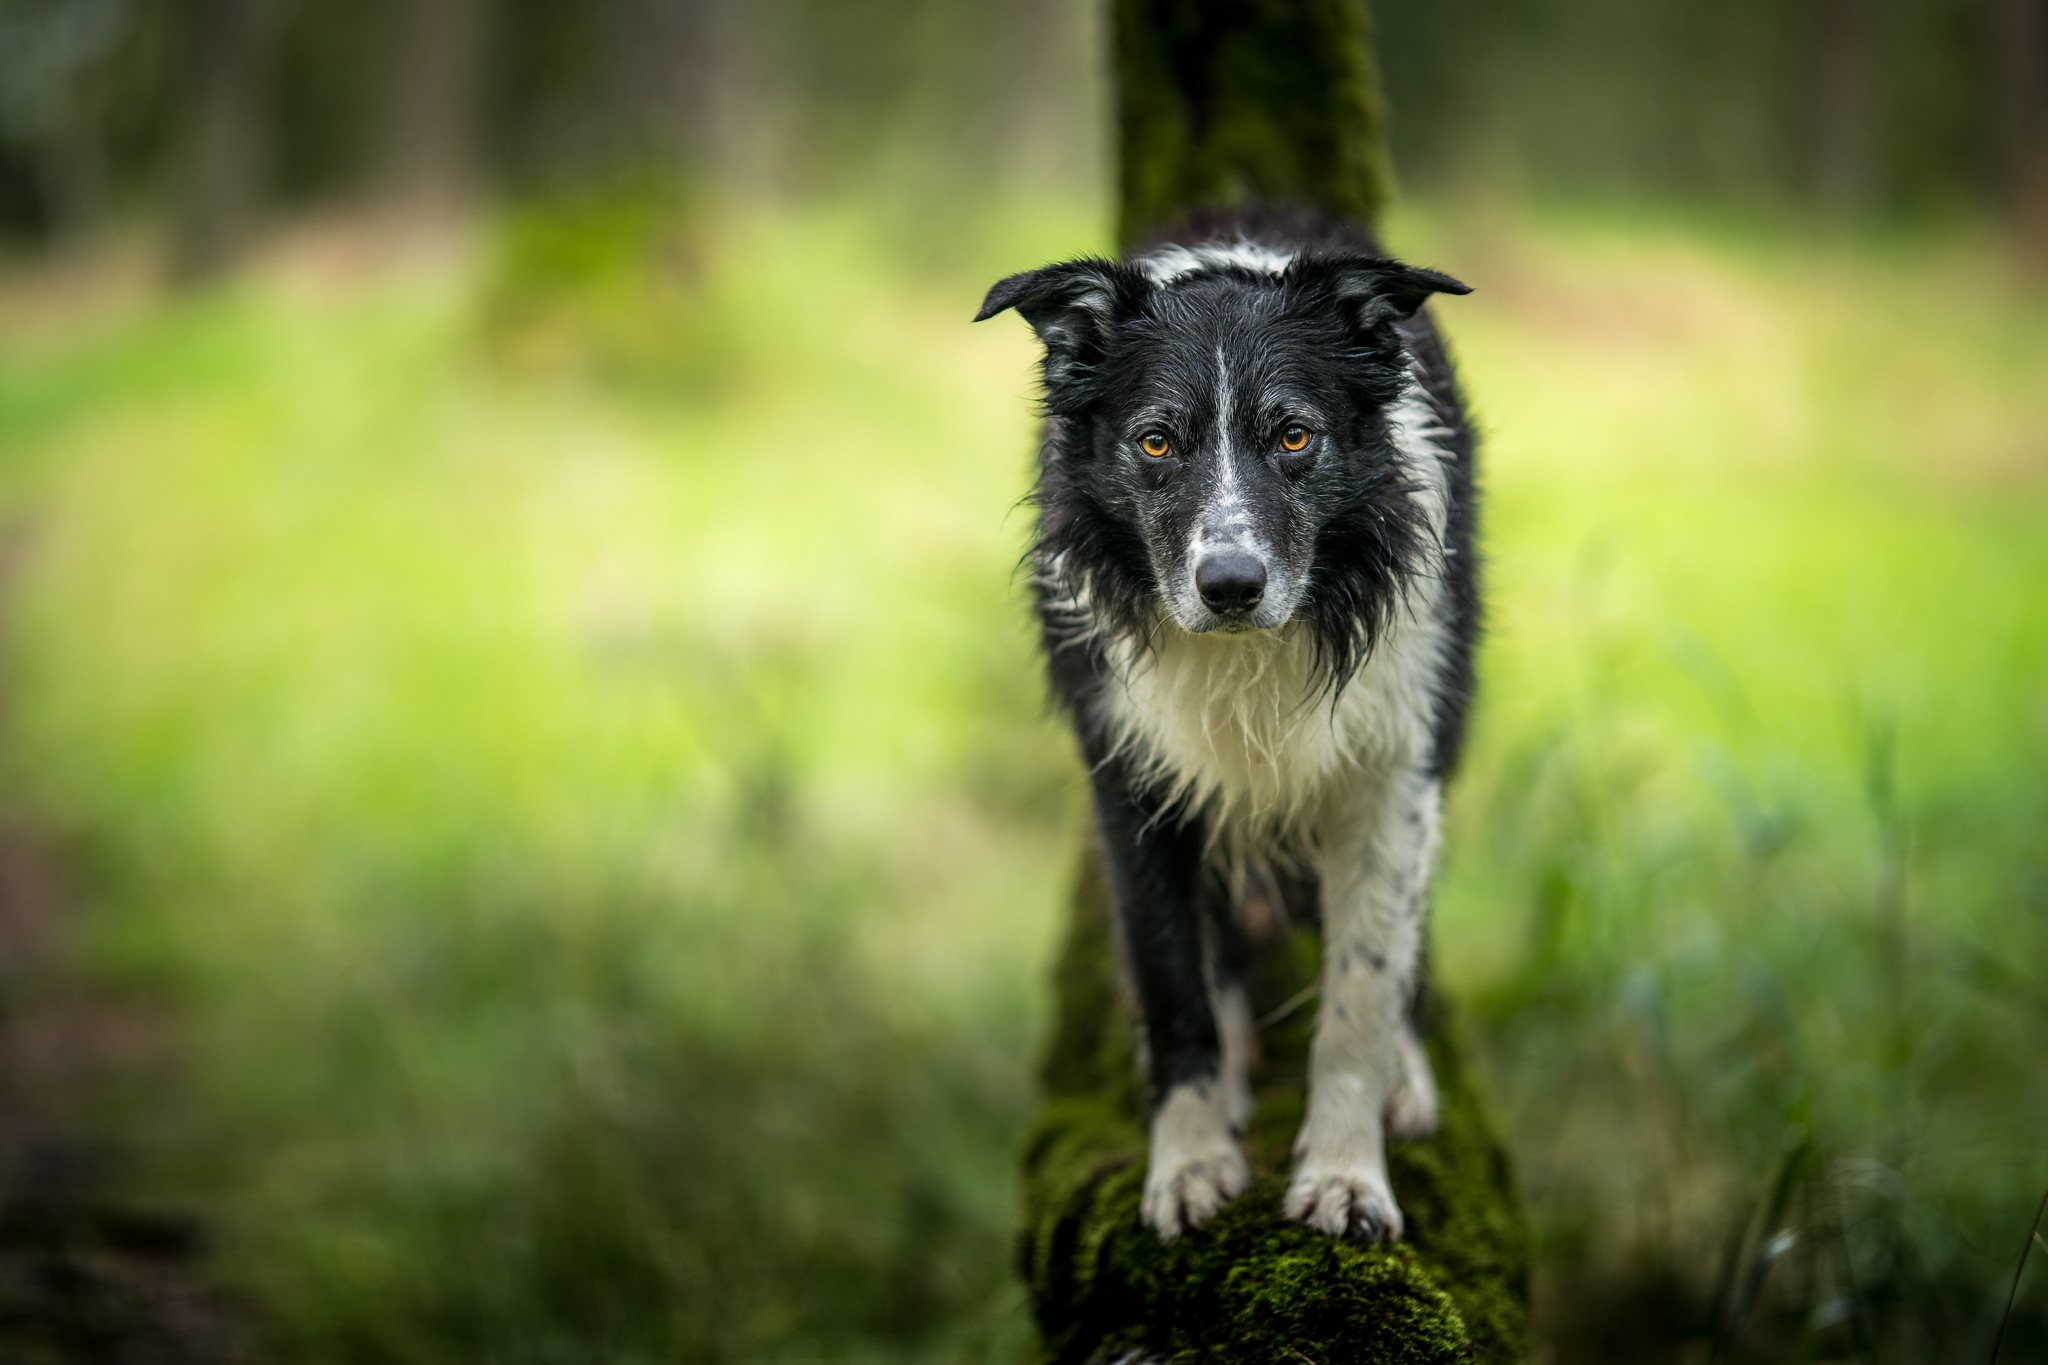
(1157, 880)
(1375, 864)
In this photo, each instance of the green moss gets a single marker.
(1219, 101)
(1252, 1286)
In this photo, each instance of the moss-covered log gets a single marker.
(1220, 102)
(1253, 1286)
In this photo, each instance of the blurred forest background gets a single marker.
(528, 830)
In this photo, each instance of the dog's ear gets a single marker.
(1379, 291)
(1072, 306)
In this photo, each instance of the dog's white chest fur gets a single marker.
(1241, 725)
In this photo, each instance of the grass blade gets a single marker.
(2026, 1249)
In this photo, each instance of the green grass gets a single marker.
(1751, 851)
(589, 807)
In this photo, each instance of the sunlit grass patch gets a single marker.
(1749, 853)
(523, 786)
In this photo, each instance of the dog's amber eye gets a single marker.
(1155, 444)
(1294, 438)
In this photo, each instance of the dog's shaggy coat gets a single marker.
(1255, 578)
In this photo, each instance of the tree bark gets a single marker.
(2018, 60)
(1842, 90)
(228, 45)
(74, 177)
(1222, 101)
(428, 158)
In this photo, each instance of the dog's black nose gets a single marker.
(1230, 581)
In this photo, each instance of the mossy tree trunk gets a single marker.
(1223, 101)
(1220, 101)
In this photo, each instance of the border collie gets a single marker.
(1255, 580)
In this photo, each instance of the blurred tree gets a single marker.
(1030, 40)
(2017, 33)
(428, 155)
(229, 51)
(51, 52)
(920, 95)
(1841, 90)
(587, 90)
(724, 88)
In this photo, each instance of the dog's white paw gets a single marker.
(1183, 1198)
(1345, 1200)
(1413, 1108)
(1195, 1166)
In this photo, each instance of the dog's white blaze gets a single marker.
(1225, 520)
(1228, 509)
(1233, 722)
(1169, 264)
(1224, 414)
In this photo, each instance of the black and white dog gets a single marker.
(1255, 577)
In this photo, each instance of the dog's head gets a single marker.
(1220, 441)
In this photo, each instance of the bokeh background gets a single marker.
(529, 830)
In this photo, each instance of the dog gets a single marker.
(1255, 582)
